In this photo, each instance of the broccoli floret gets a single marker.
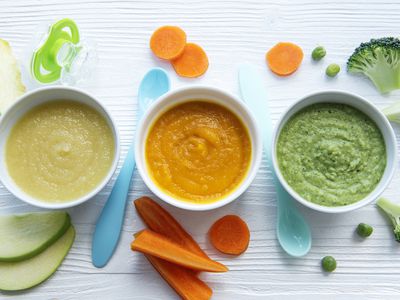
(392, 210)
(379, 59)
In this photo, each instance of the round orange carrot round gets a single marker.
(193, 62)
(230, 235)
(284, 58)
(168, 42)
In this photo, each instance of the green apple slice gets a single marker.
(24, 236)
(11, 86)
(15, 276)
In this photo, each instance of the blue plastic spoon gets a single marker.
(108, 227)
(293, 232)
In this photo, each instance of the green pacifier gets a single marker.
(62, 56)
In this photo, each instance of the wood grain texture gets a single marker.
(231, 32)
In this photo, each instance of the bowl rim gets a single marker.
(17, 192)
(377, 191)
(255, 139)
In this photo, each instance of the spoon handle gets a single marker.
(256, 97)
(254, 94)
(108, 228)
(109, 224)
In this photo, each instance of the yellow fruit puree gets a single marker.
(59, 151)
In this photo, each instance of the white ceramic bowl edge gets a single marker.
(26, 103)
(186, 94)
(337, 96)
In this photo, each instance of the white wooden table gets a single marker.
(231, 32)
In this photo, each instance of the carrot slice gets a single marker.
(182, 280)
(284, 58)
(168, 42)
(160, 221)
(193, 62)
(152, 243)
(230, 235)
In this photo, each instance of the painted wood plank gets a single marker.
(231, 32)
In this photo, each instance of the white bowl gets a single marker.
(33, 99)
(183, 95)
(370, 110)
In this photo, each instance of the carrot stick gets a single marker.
(230, 235)
(160, 221)
(193, 62)
(152, 243)
(284, 58)
(182, 280)
(168, 42)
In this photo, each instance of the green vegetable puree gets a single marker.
(331, 154)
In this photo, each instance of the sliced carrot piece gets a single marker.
(284, 58)
(160, 221)
(193, 62)
(230, 235)
(182, 280)
(154, 244)
(168, 42)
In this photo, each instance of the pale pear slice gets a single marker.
(15, 276)
(24, 236)
(11, 86)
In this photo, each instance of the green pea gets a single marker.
(364, 230)
(318, 53)
(332, 70)
(328, 263)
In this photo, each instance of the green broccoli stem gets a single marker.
(392, 211)
(385, 76)
(385, 81)
(397, 233)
